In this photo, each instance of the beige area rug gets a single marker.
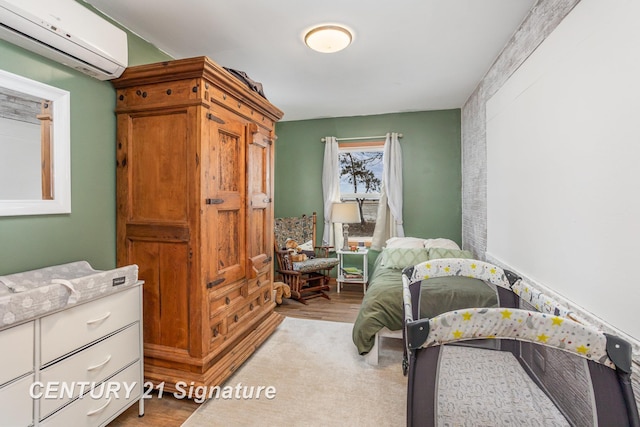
(319, 380)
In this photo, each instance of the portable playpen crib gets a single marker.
(526, 363)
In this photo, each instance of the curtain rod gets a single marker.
(360, 137)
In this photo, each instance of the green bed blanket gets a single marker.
(382, 304)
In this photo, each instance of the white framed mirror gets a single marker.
(35, 146)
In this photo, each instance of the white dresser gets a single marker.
(77, 366)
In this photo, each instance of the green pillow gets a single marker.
(435, 253)
(400, 258)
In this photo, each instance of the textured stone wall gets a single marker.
(543, 18)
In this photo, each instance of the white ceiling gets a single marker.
(407, 55)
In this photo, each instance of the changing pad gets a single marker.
(33, 293)
(17, 307)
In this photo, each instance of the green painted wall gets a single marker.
(431, 155)
(431, 167)
(28, 242)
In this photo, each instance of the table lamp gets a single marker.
(345, 213)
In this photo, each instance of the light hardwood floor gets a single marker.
(172, 412)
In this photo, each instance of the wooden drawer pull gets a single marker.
(251, 307)
(215, 332)
(236, 318)
(227, 300)
(99, 319)
(95, 411)
(99, 365)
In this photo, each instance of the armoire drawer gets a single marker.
(217, 331)
(219, 301)
(17, 351)
(16, 405)
(259, 283)
(73, 328)
(90, 412)
(267, 296)
(236, 318)
(93, 364)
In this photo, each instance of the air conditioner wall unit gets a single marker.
(66, 32)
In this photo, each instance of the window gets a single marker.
(360, 169)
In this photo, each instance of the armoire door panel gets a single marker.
(229, 246)
(260, 209)
(224, 204)
(158, 156)
(164, 269)
(231, 162)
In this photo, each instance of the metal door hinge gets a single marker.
(215, 119)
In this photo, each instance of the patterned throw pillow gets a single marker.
(400, 258)
(435, 253)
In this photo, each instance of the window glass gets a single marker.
(360, 168)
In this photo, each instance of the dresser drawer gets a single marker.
(90, 412)
(16, 405)
(93, 364)
(73, 328)
(16, 358)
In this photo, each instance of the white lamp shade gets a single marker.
(328, 38)
(345, 213)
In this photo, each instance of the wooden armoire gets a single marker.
(195, 213)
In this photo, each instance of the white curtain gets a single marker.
(389, 220)
(330, 185)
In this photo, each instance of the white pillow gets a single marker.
(405, 242)
(307, 246)
(441, 243)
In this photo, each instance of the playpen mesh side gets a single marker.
(563, 376)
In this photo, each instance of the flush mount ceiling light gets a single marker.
(328, 38)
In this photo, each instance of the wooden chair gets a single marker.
(310, 278)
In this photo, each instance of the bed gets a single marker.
(547, 367)
(381, 312)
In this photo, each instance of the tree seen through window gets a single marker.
(361, 181)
